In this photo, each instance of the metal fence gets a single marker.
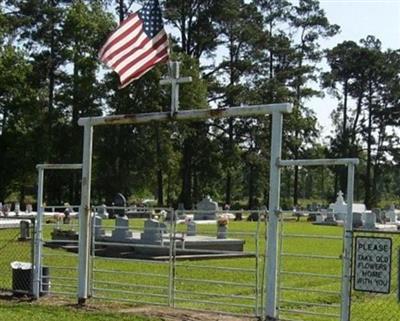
(366, 303)
(16, 237)
(59, 253)
(199, 269)
(310, 270)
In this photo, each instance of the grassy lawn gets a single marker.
(227, 285)
(25, 311)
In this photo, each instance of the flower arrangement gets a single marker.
(223, 220)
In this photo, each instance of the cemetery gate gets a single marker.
(314, 265)
(55, 268)
(177, 266)
(275, 110)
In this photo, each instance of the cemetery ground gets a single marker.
(119, 298)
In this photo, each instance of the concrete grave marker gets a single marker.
(24, 228)
(392, 214)
(17, 209)
(6, 209)
(98, 230)
(191, 227)
(207, 209)
(28, 208)
(357, 220)
(370, 220)
(102, 211)
(121, 231)
(153, 231)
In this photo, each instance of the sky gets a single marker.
(357, 19)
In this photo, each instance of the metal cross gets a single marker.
(174, 80)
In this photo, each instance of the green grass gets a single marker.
(198, 283)
(24, 311)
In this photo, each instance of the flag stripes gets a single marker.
(139, 43)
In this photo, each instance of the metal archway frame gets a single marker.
(276, 110)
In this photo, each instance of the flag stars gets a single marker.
(152, 19)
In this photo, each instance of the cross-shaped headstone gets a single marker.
(174, 80)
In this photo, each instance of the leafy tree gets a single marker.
(310, 24)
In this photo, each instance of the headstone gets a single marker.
(119, 201)
(330, 217)
(153, 231)
(67, 213)
(238, 216)
(121, 231)
(253, 216)
(6, 209)
(171, 216)
(380, 217)
(357, 220)
(102, 211)
(191, 227)
(16, 209)
(319, 218)
(370, 220)
(207, 209)
(24, 230)
(391, 214)
(28, 208)
(98, 230)
(339, 207)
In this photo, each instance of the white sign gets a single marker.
(373, 261)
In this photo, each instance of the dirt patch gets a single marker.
(163, 313)
(168, 314)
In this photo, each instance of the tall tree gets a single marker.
(310, 24)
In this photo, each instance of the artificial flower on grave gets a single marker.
(222, 220)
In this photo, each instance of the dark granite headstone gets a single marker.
(119, 201)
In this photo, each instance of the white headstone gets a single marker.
(16, 209)
(339, 207)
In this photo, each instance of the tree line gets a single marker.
(237, 52)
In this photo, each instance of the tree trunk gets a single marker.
(160, 194)
(344, 130)
(368, 199)
(228, 191)
(186, 192)
(51, 76)
(228, 187)
(121, 10)
(296, 185)
(251, 188)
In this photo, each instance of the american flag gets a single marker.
(137, 45)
